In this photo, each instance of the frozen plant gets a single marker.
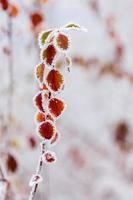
(51, 82)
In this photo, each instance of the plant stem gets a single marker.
(38, 170)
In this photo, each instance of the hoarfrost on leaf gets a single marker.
(36, 178)
(43, 36)
(49, 157)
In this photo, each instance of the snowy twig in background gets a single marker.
(11, 11)
(51, 82)
(10, 69)
(1, 173)
(3, 184)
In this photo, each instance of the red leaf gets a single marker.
(11, 163)
(46, 130)
(32, 142)
(4, 4)
(55, 80)
(48, 54)
(62, 42)
(56, 106)
(38, 101)
(36, 18)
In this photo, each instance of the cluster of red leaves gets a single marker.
(51, 82)
(11, 9)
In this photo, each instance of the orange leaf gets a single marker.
(12, 10)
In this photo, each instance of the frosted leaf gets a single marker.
(56, 107)
(48, 55)
(55, 139)
(36, 178)
(40, 117)
(75, 26)
(41, 99)
(46, 130)
(62, 42)
(72, 26)
(37, 100)
(49, 157)
(55, 80)
(39, 72)
(43, 36)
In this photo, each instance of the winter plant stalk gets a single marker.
(54, 45)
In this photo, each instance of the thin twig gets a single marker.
(38, 170)
(1, 173)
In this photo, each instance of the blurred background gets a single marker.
(95, 152)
